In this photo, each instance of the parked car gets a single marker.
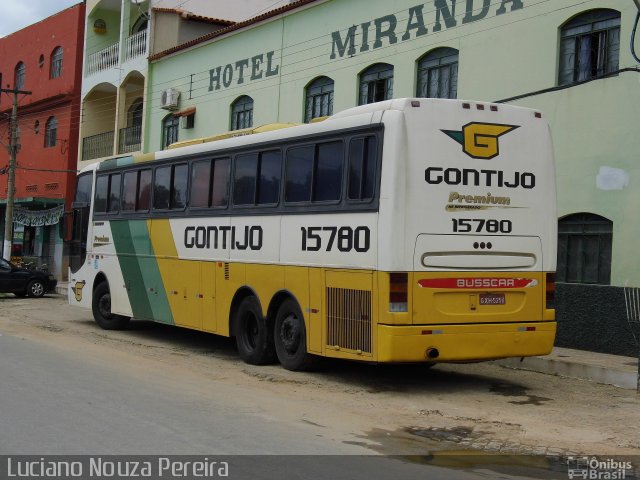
(24, 282)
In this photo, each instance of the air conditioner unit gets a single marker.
(170, 99)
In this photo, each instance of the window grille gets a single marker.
(438, 74)
(376, 84)
(56, 63)
(319, 99)
(589, 46)
(584, 249)
(242, 113)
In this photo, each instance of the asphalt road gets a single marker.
(70, 388)
(56, 402)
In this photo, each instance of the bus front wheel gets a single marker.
(101, 306)
(291, 338)
(253, 336)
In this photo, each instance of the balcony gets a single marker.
(97, 146)
(130, 139)
(103, 60)
(136, 45)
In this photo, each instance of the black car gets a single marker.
(23, 282)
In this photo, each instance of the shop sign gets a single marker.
(38, 218)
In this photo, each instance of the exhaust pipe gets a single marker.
(432, 353)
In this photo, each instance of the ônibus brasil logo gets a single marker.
(480, 140)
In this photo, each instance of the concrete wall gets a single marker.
(595, 318)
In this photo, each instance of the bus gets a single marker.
(410, 230)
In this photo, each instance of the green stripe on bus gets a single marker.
(115, 163)
(135, 255)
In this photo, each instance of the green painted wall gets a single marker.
(500, 56)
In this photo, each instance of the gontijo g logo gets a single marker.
(480, 140)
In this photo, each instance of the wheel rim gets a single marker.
(104, 305)
(37, 289)
(290, 334)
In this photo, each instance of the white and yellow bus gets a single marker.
(411, 230)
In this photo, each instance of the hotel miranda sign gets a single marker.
(387, 30)
(373, 34)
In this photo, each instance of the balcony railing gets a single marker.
(129, 140)
(97, 146)
(103, 60)
(136, 45)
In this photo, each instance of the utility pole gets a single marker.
(11, 183)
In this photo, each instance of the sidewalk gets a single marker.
(61, 288)
(595, 367)
(563, 362)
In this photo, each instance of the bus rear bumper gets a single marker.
(464, 343)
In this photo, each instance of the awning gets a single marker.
(186, 112)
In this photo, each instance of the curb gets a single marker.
(613, 370)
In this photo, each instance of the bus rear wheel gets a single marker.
(291, 339)
(254, 337)
(101, 307)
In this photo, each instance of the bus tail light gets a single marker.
(398, 292)
(551, 290)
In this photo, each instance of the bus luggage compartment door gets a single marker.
(477, 279)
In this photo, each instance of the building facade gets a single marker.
(571, 60)
(46, 60)
(117, 44)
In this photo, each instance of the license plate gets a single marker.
(493, 299)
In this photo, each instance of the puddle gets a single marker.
(464, 448)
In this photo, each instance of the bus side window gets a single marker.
(179, 183)
(270, 173)
(220, 187)
(362, 168)
(299, 172)
(114, 193)
(162, 188)
(102, 192)
(200, 184)
(107, 194)
(144, 191)
(244, 182)
(327, 181)
(129, 187)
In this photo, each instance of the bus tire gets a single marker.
(291, 339)
(101, 307)
(254, 337)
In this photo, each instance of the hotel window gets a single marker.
(584, 249)
(242, 113)
(438, 74)
(170, 126)
(18, 80)
(51, 132)
(319, 99)
(589, 46)
(56, 63)
(376, 83)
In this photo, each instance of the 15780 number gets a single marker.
(345, 239)
(466, 225)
